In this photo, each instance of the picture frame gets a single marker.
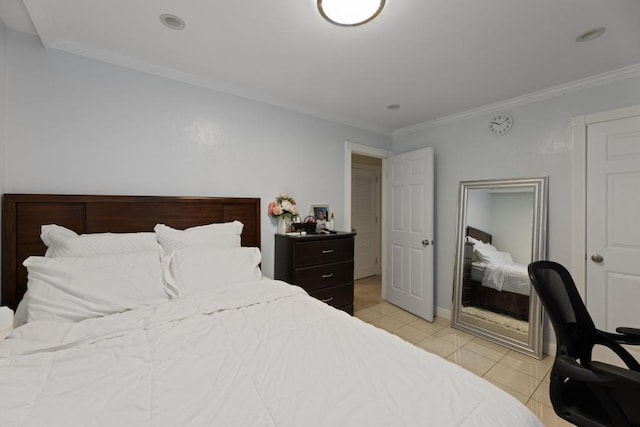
(321, 214)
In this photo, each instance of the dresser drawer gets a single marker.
(335, 296)
(324, 276)
(323, 251)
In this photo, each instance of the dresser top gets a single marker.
(316, 236)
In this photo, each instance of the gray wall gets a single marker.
(539, 144)
(3, 124)
(81, 126)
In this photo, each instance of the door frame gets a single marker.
(377, 170)
(579, 126)
(353, 148)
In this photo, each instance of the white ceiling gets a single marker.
(434, 58)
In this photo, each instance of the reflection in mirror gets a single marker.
(501, 229)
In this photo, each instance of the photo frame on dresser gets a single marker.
(321, 214)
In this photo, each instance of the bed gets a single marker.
(231, 351)
(496, 285)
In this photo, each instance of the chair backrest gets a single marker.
(574, 328)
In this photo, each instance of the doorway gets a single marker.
(365, 214)
(364, 180)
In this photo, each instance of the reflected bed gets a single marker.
(509, 295)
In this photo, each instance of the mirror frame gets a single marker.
(538, 252)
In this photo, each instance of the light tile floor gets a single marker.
(524, 378)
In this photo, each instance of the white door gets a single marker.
(613, 224)
(365, 207)
(409, 225)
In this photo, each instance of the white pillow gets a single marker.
(200, 268)
(20, 317)
(487, 253)
(6, 322)
(76, 288)
(62, 242)
(484, 252)
(223, 235)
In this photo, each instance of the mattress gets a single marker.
(253, 354)
(502, 277)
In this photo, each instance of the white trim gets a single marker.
(578, 204)
(549, 348)
(377, 233)
(50, 37)
(577, 85)
(579, 126)
(353, 148)
(198, 80)
(445, 313)
(42, 21)
(619, 113)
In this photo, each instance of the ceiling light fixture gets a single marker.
(350, 13)
(590, 35)
(172, 21)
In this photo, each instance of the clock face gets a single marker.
(500, 124)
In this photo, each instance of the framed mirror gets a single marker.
(502, 227)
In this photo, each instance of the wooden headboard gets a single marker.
(478, 234)
(23, 214)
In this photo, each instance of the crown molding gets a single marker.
(207, 83)
(552, 92)
(41, 17)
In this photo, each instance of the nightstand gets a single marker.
(322, 264)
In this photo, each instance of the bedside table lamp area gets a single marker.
(321, 264)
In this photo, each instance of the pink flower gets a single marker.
(274, 209)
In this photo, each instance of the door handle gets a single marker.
(597, 258)
(426, 242)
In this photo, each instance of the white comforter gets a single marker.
(255, 354)
(511, 277)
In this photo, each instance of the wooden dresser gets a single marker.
(322, 264)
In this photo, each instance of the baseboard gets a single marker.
(549, 348)
(443, 312)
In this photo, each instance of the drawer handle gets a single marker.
(327, 299)
(326, 276)
(327, 251)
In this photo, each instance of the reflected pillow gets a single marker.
(77, 288)
(484, 252)
(487, 253)
(202, 268)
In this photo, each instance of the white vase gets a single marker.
(282, 226)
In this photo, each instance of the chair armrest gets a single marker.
(634, 332)
(613, 341)
(569, 368)
(623, 336)
(632, 378)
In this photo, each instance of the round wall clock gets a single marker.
(501, 124)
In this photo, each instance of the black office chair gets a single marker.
(582, 391)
